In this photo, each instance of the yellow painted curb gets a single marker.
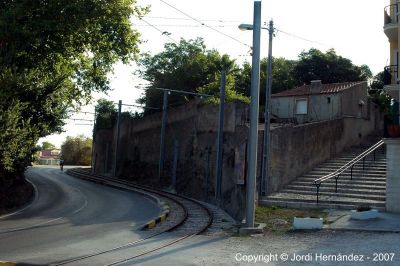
(151, 224)
(3, 263)
(163, 217)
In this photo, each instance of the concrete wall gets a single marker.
(194, 126)
(351, 98)
(393, 175)
(296, 150)
(319, 108)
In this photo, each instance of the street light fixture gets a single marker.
(245, 27)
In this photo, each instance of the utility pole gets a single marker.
(267, 136)
(117, 138)
(162, 138)
(220, 136)
(93, 161)
(254, 106)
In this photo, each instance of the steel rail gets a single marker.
(85, 174)
(350, 164)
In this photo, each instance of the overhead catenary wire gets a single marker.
(301, 38)
(205, 25)
(82, 112)
(177, 91)
(210, 20)
(183, 25)
(165, 33)
(141, 106)
(80, 119)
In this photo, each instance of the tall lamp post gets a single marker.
(267, 114)
(254, 105)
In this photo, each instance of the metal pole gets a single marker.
(208, 153)
(220, 136)
(106, 158)
(175, 164)
(267, 137)
(93, 159)
(162, 138)
(117, 138)
(254, 105)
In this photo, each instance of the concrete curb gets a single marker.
(161, 218)
(361, 230)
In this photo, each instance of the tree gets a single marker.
(376, 93)
(377, 83)
(186, 66)
(328, 67)
(282, 77)
(77, 150)
(53, 54)
(106, 114)
(47, 145)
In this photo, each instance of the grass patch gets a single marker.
(279, 219)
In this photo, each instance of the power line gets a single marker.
(177, 91)
(205, 25)
(141, 106)
(81, 112)
(184, 25)
(302, 38)
(79, 119)
(165, 33)
(211, 20)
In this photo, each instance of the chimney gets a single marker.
(316, 86)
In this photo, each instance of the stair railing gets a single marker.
(350, 164)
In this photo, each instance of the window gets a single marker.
(329, 99)
(301, 106)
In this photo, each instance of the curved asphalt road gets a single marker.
(70, 218)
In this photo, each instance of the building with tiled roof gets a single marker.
(318, 102)
(49, 157)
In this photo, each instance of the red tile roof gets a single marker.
(326, 89)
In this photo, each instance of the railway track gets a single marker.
(186, 219)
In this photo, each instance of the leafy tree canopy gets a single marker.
(187, 66)
(77, 150)
(52, 55)
(328, 67)
(282, 73)
(47, 145)
(106, 114)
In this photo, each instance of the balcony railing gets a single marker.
(391, 14)
(390, 74)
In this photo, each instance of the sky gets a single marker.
(354, 28)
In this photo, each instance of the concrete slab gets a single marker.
(257, 229)
(387, 222)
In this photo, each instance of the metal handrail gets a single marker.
(350, 164)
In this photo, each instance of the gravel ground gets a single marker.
(274, 248)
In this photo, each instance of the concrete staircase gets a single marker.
(366, 188)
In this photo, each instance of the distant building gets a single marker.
(49, 157)
(318, 102)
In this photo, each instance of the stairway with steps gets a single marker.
(367, 187)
